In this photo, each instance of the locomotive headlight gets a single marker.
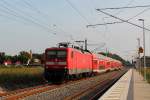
(62, 63)
(46, 67)
(56, 63)
(49, 63)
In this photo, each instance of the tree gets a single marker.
(24, 57)
(14, 59)
(26, 54)
(2, 58)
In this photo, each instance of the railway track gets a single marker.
(21, 93)
(95, 91)
(67, 90)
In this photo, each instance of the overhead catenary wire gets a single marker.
(6, 12)
(122, 20)
(8, 17)
(80, 14)
(13, 12)
(24, 13)
(10, 12)
(117, 22)
(29, 4)
(121, 10)
(139, 13)
(117, 8)
(104, 24)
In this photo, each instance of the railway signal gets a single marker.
(140, 50)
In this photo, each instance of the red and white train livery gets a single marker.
(64, 62)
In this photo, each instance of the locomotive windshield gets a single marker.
(56, 54)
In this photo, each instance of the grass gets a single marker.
(147, 74)
(12, 77)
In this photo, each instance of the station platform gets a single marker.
(131, 86)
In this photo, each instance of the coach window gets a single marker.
(108, 63)
(72, 54)
(95, 61)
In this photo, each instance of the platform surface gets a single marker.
(131, 86)
(141, 87)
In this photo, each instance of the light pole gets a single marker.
(144, 48)
(139, 60)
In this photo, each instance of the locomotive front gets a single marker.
(55, 64)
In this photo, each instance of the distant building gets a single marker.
(2, 53)
(36, 61)
(8, 62)
(17, 63)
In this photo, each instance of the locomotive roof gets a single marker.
(62, 48)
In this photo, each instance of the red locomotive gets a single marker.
(64, 62)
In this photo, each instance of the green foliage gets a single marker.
(15, 59)
(23, 57)
(147, 74)
(19, 77)
(2, 58)
(25, 54)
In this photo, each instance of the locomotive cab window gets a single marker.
(56, 54)
(51, 54)
(61, 54)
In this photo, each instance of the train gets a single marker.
(65, 62)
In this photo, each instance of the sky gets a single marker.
(38, 24)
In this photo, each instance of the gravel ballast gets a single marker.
(69, 89)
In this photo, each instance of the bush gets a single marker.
(20, 77)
